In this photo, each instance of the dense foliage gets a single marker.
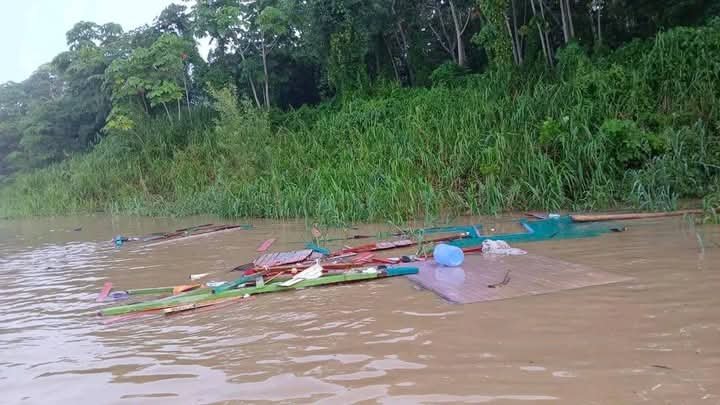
(356, 110)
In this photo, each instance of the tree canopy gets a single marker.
(287, 53)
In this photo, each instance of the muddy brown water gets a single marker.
(655, 339)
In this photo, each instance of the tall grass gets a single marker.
(638, 127)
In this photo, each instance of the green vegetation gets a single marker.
(555, 119)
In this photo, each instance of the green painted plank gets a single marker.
(150, 291)
(166, 290)
(231, 285)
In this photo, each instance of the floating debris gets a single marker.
(171, 302)
(280, 259)
(553, 227)
(104, 292)
(179, 234)
(477, 278)
(505, 281)
(500, 247)
(265, 245)
(488, 278)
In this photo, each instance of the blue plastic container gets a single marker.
(118, 295)
(448, 255)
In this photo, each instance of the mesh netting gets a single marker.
(545, 229)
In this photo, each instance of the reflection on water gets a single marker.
(652, 339)
(454, 276)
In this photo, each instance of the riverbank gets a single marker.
(635, 127)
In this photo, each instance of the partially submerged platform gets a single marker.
(488, 277)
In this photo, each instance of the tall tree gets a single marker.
(225, 23)
(175, 19)
(89, 34)
(149, 78)
(448, 21)
(566, 16)
(499, 34)
(405, 16)
(271, 25)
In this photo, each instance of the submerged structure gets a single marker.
(471, 282)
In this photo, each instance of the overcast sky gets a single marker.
(32, 32)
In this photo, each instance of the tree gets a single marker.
(62, 106)
(225, 23)
(247, 30)
(387, 33)
(148, 78)
(89, 34)
(14, 104)
(271, 25)
(175, 19)
(493, 36)
(405, 15)
(566, 16)
(448, 21)
(37, 121)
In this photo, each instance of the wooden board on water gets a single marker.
(202, 233)
(528, 275)
(282, 258)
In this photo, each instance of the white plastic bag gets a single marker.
(311, 273)
(500, 247)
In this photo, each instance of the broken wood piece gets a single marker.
(504, 282)
(198, 305)
(362, 257)
(536, 215)
(184, 288)
(104, 292)
(279, 259)
(266, 245)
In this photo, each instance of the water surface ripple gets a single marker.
(654, 339)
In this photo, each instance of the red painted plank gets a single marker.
(265, 245)
(363, 257)
(104, 292)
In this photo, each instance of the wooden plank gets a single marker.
(265, 245)
(627, 216)
(104, 292)
(185, 288)
(394, 244)
(282, 258)
(194, 236)
(363, 257)
(267, 288)
(231, 285)
(198, 305)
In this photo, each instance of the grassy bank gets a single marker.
(639, 126)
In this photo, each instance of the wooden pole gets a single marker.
(194, 236)
(640, 215)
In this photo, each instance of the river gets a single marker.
(655, 339)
